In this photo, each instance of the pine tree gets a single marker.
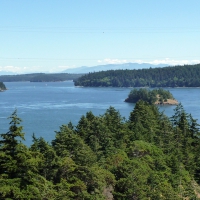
(19, 177)
(10, 146)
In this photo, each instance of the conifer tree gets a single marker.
(143, 122)
(10, 145)
(19, 178)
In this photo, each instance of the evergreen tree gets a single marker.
(48, 165)
(19, 178)
(143, 122)
(147, 157)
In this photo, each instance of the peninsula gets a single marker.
(172, 76)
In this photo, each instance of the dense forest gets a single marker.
(177, 76)
(2, 86)
(155, 96)
(148, 156)
(39, 77)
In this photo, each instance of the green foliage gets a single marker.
(148, 156)
(68, 143)
(144, 174)
(150, 96)
(143, 121)
(48, 165)
(19, 177)
(177, 76)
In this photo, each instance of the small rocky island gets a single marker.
(155, 96)
(2, 87)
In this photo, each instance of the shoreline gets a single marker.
(168, 102)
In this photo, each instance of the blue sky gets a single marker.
(53, 35)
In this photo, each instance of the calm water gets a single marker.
(44, 107)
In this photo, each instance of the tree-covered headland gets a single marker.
(177, 76)
(155, 96)
(148, 156)
(2, 86)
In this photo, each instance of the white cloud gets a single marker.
(173, 62)
(112, 61)
(166, 61)
(35, 69)
(19, 70)
(10, 69)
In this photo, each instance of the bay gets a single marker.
(44, 107)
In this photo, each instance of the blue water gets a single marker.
(44, 107)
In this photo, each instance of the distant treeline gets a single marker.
(2, 86)
(39, 77)
(176, 76)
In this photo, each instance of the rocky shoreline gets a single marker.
(168, 102)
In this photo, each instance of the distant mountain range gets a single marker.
(98, 68)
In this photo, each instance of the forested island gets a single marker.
(155, 96)
(177, 76)
(148, 156)
(40, 77)
(2, 86)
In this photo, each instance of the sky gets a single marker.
(54, 35)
